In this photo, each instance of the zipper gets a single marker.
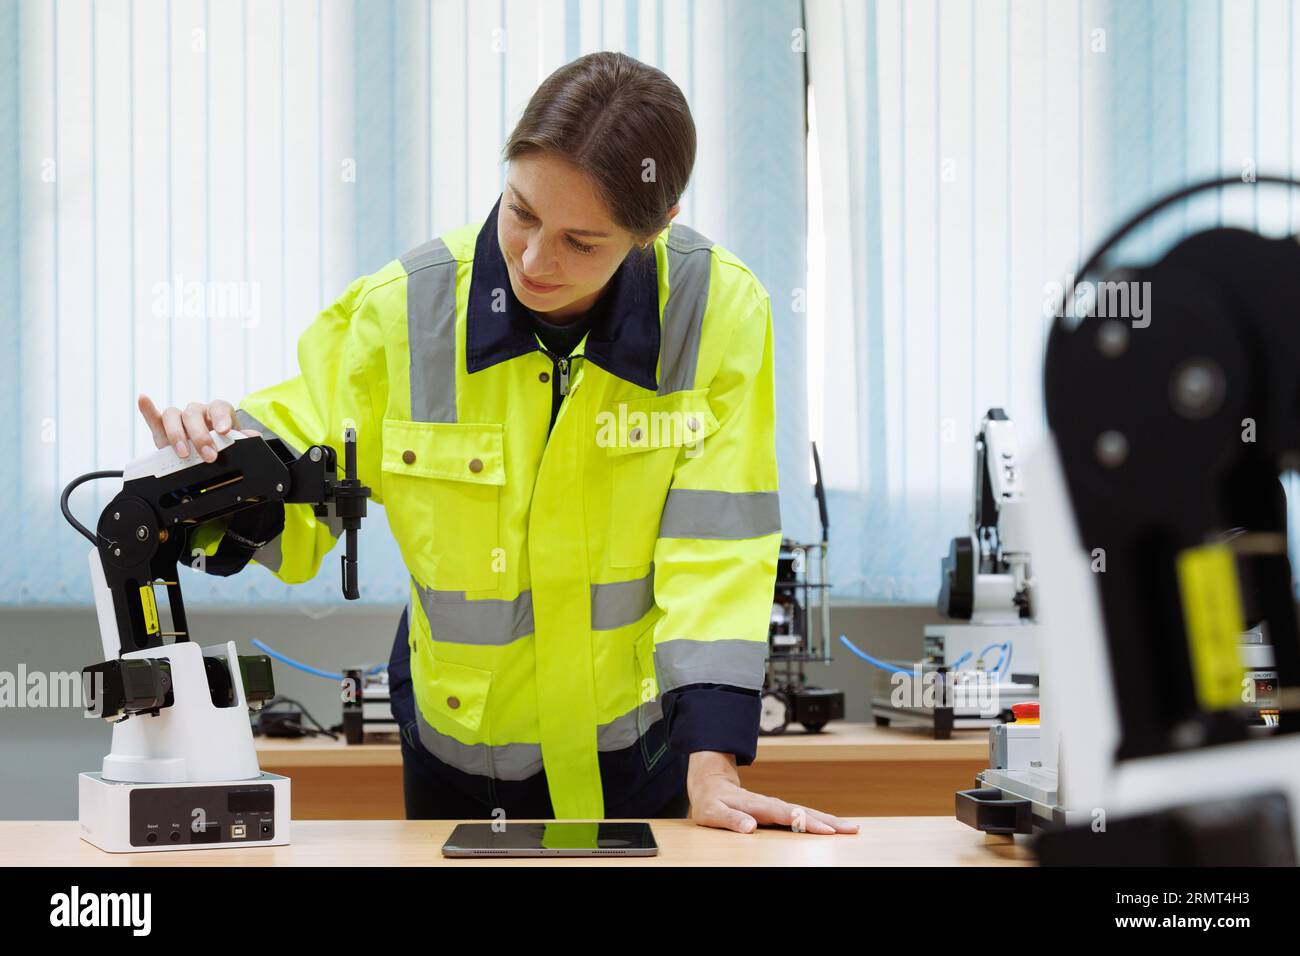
(560, 367)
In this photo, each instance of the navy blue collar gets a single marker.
(624, 336)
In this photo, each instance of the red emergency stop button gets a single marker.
(1026, 713)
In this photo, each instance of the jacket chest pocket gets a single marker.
(644, 439)
(442, 489)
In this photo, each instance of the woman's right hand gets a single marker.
(178, 427)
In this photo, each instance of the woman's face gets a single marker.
(558, 241)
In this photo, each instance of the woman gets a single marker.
(567, 411)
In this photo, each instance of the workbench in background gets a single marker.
(851, 770)
(53, 745)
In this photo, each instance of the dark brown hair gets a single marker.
(608, 114)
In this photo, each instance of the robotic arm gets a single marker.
(1170, 432)
(985, 578)
(142, 533)
(183, 774)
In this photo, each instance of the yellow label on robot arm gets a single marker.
(150, 608)
(1212, 614)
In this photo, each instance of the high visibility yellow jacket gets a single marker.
(571, 584)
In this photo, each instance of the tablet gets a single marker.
(557, 838)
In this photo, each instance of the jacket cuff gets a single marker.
(247, 531)
(713, 717)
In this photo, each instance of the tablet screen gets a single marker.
(556, 838)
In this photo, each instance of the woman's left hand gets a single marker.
(718, 800)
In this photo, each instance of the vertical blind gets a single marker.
(192, 181)
(968, 154)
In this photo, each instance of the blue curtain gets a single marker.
(285, 147)
(995, 142)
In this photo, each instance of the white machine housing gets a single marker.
(995, 594)
(108, 818)
(190, 746)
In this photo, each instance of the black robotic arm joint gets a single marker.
(141, 536)
(1172, 434)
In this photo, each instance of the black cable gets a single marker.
(321, 727)
(306, 731)
(281, 699)
(67, 492)
(1169, 200)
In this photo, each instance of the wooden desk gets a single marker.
(848, 770)
(897, 841)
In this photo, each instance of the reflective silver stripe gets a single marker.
(333, 523)
(268, 555)
(622, 732)
(452, 617)
(689, 260)
(521, 761)
(503, 761)
(495, 621)
(332, 520)
(620, 603)
(680, 662)
(244, 420)
(723, 515)
(431, 331)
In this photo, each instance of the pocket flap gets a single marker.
(676, 420)
(459, 451)
(460, 692)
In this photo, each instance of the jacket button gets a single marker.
(453, 702)
(693, 424)
(475, 465)
(544, 377)
(634, 435)
(408, 456)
